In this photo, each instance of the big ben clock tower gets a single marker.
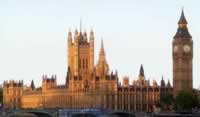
(182, 57)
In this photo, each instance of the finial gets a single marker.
(182, 12)
(69, 32)
(168, 84)
(182, 19)
(182, 8)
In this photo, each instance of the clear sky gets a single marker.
(33, 36)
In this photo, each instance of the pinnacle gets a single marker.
(182, 19)
(141, 70)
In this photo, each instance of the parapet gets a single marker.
(80, 37)
(12, 83)
(46, 79)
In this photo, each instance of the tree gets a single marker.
(166, 100)
(185, 101)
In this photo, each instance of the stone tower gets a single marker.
(12, 92)
(182, 57)
(102, 67)
(80, 58)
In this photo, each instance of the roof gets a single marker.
(141, 71)
(182, 31)
(182, 19)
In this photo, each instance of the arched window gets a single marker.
(79, 63)
(86, 63)
(83, 63)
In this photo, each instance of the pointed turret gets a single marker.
(168, 84)
(141, 71)
(182, 19)
(76, 34)
(81, 35)
(102, 57)
(85, 36)
(91, 43)
(182, 31)
(69, 37)
(32, 85)
(102, 53)
(162, 82)
(102, 65)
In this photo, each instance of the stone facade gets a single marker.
(87, 86)
(93, 86)
(182, 53)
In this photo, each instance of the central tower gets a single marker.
(80, 56)
(182, 57)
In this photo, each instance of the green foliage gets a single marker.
(166, 100)
(185, 101)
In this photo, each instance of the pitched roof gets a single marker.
(182, 19)
(182, 31)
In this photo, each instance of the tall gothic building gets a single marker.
(81, 66)
(182, 57)
(87, 85)
(90, 85)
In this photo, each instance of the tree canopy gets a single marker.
(185, 101)
(166, 100)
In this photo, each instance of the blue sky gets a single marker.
(33, 36)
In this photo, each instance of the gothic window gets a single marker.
(79, 63)
(75, 77)
(97, 78)
(86, 63)
(113, 98)
(83, 63)
(80, 78)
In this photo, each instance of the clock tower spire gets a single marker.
(182, 57)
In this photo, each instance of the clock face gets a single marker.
(176, 48)
(186, 48)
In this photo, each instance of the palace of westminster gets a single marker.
(93, 86)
